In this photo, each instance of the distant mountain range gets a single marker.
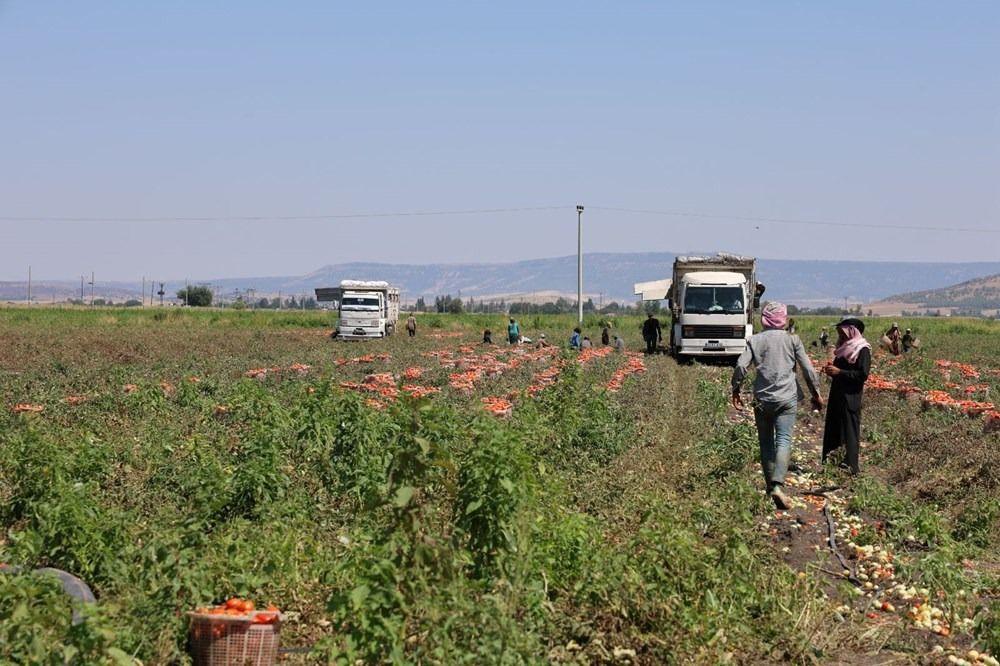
(977, 294)
(607, 277)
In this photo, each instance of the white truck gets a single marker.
(366, 308)
(712, 301)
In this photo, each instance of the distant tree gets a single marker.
(291, 303)
(794, 309)
(420, 305)
(264, 304)
(550, 308)
(195, 296)
(455, 306)
(274, 303)
(133, 303)
(311, 304)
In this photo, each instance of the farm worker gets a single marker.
(852, 360)
(574, 340)
(411, 326)
(619, 344)
(586, 343)
(907, 340)
(790, 326)
(893, 336)
(487, 337)
(605, 335)
(775, 352)
(513, 332)
(651, 333)
(542, 342)
(824, 338)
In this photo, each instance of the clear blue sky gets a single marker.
(871, 113)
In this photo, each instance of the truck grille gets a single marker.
(716, 332)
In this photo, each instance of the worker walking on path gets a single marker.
(651, 333)
(774, 352)
(411, 326)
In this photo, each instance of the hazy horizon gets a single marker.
(748, 127)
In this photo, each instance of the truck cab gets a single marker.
(712, 301)
(362, 315)
(711, 314)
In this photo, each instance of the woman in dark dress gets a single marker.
(849, 370)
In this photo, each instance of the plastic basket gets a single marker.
(219, 640)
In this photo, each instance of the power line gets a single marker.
(265, 218)
(497, 211)
(782, 220)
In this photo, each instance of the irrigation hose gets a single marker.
(852, 575)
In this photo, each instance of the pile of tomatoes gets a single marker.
(236, 607)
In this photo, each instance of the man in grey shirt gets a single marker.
(775, 353)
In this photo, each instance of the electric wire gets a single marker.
(782, 220)
(284, 218)
(498, 211)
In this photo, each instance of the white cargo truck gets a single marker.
(712, 301)
(366, 309)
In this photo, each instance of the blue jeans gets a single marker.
(775, 421)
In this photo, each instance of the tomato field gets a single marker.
(436, 500)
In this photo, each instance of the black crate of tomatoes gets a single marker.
(235, 633)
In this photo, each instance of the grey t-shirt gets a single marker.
(774, 353)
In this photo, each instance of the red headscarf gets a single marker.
(852, 346)
(774, 315)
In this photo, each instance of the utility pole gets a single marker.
(161, 292)
(29, 284)
(91, 288)
(143, 292)
(579, 264)
(187, 289)
(81, 290)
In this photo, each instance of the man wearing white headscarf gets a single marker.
(775, 352)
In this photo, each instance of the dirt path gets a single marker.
(859, 578)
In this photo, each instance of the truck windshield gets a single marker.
(713, 300)
(356, 301)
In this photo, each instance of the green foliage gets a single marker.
(494, 481)
(570, 424)
(987, 626)
(195, 296)
(979, 524)
(424, 531)
(36, 626)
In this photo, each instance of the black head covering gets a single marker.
(852, 321)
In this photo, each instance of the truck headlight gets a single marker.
(687, 331)
(739, 331)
